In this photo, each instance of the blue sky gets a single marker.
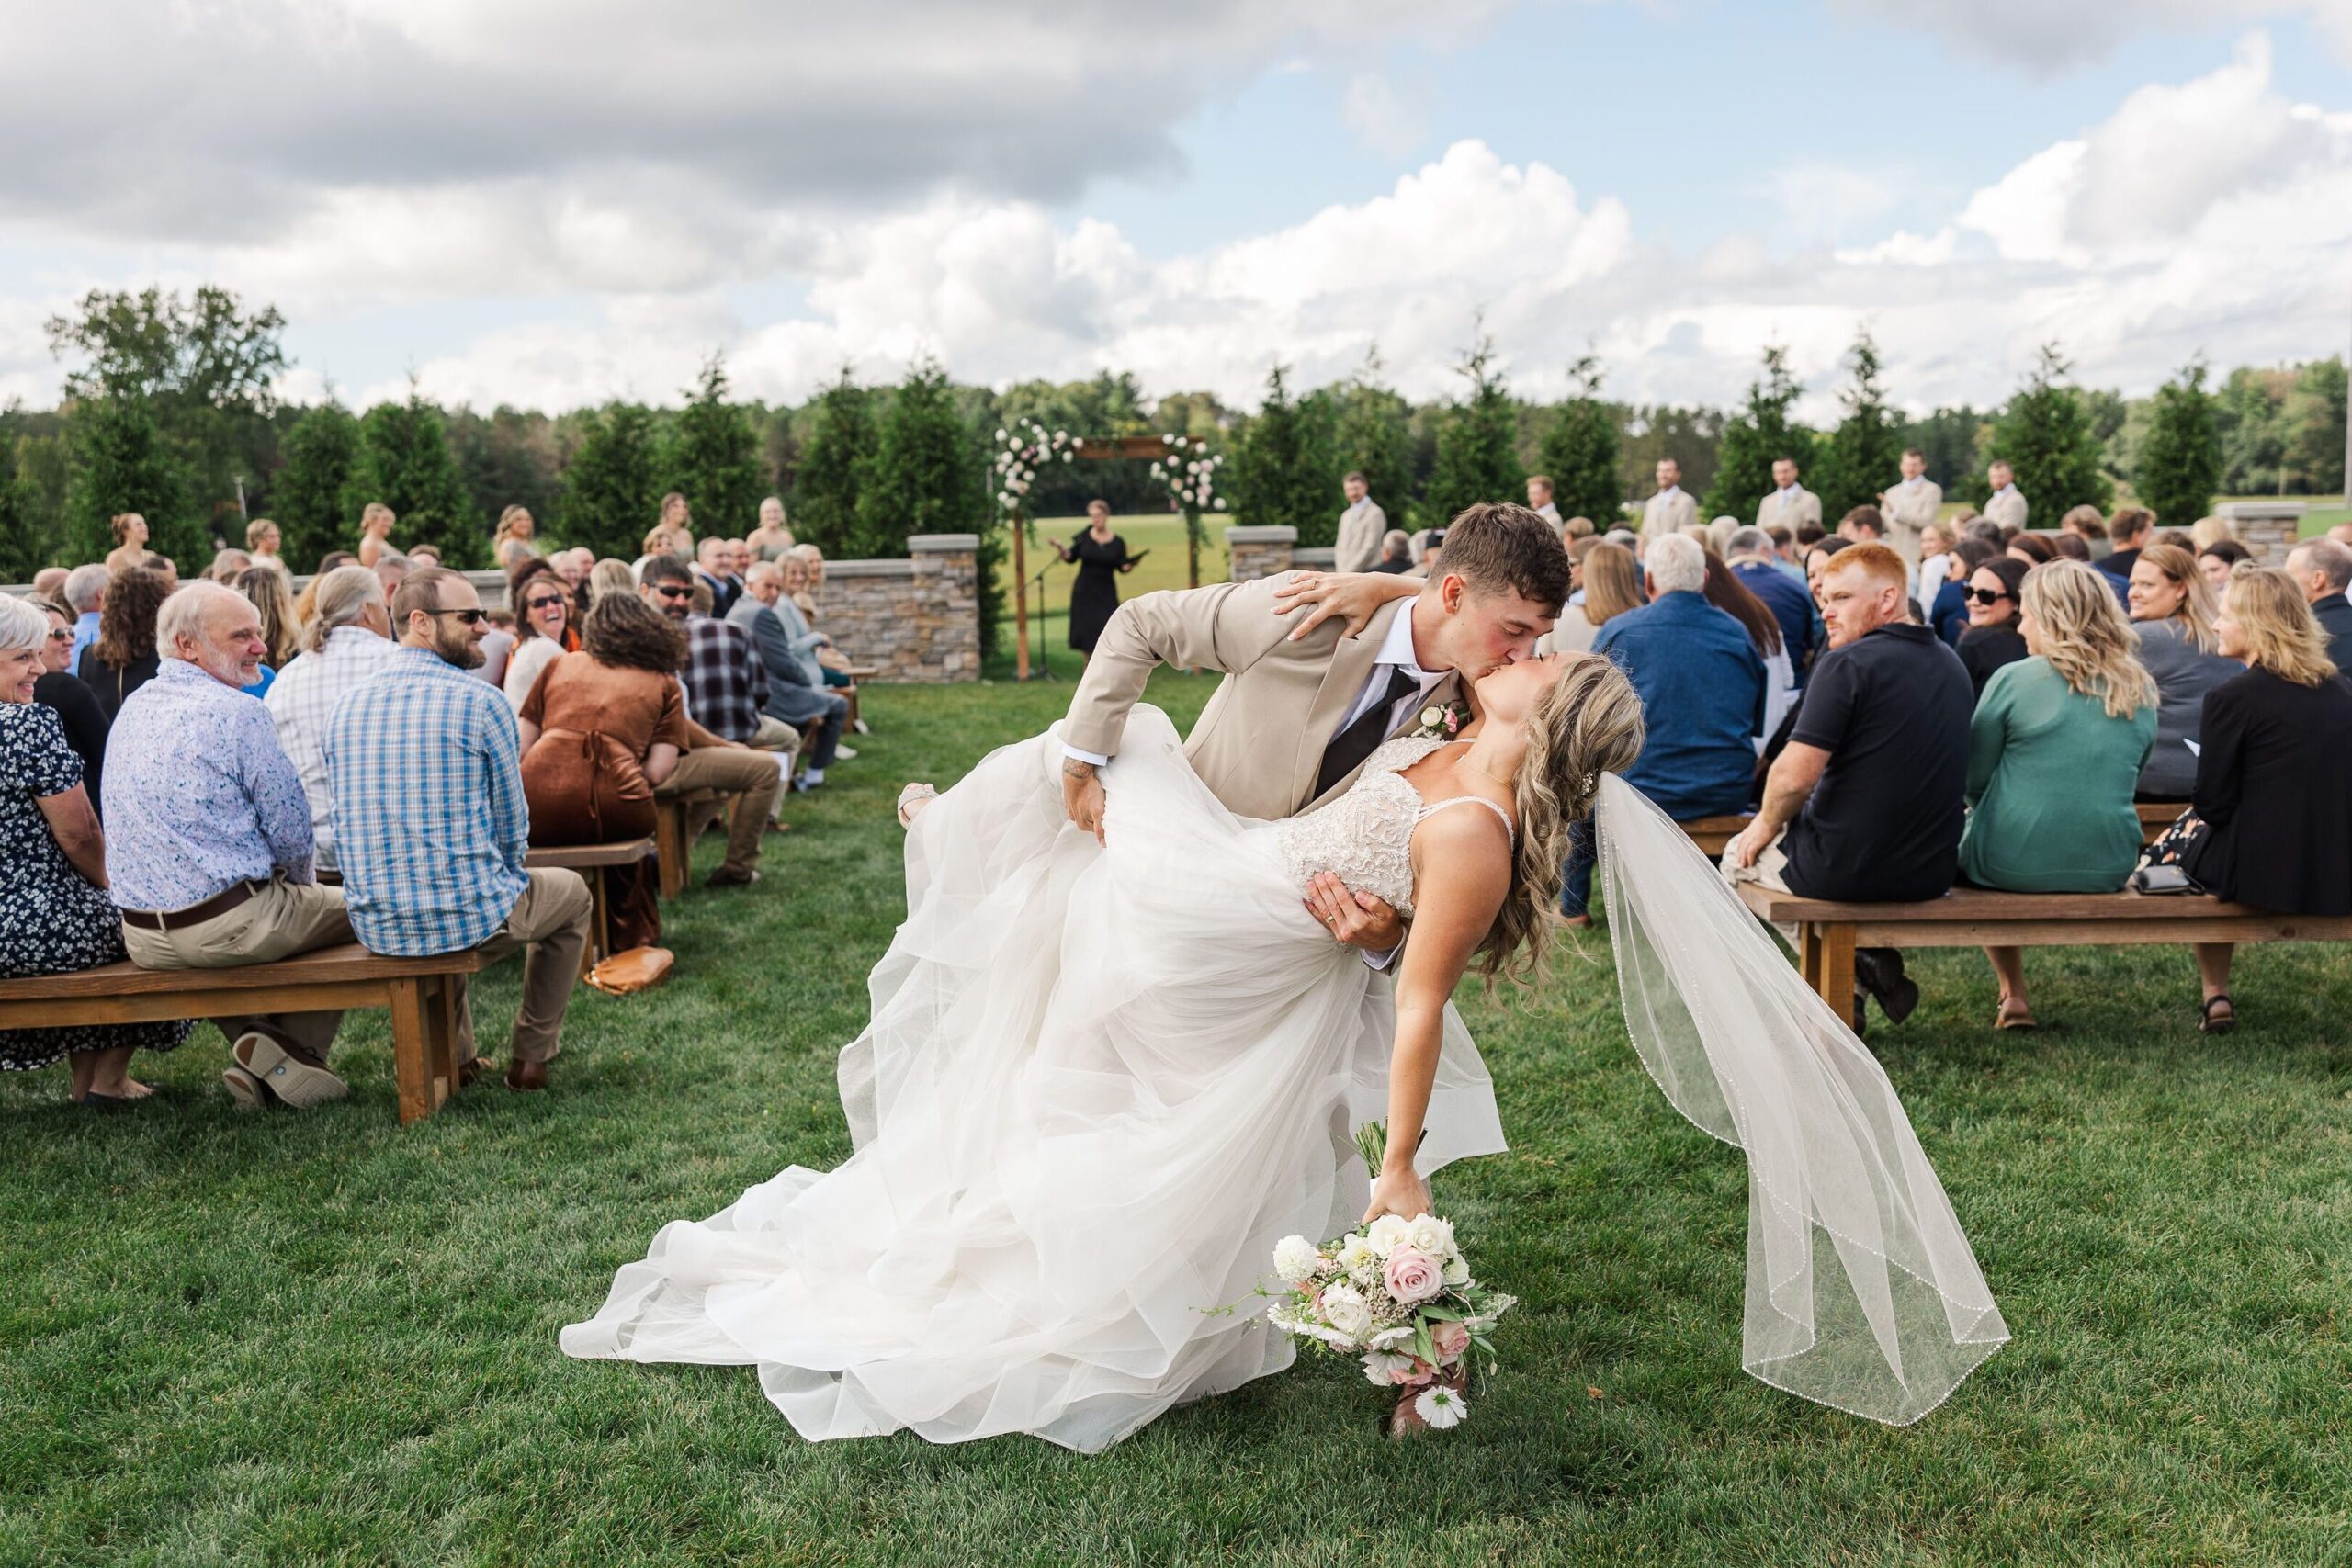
(555, 203)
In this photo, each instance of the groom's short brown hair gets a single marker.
(1497, 545)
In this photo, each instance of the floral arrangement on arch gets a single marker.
(1022, 453)
(1189, 470)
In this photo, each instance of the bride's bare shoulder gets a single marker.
(1463, 852)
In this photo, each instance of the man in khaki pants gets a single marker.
(209, 847)
(711, 761)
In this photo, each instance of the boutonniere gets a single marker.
(1442, 721)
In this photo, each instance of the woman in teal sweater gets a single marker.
(2054, 753)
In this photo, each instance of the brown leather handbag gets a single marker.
(637, 969)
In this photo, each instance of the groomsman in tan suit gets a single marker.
(1672, 508)
(1362, 527)
(1911, 506)
(1294, 721)
(1791, 506)
(2006, 505)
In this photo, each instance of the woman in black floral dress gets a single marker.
(54, 914)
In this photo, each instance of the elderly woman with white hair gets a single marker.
(55, 918)
(348, 638)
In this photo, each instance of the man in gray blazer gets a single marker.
(797, 692)
(1361, 527)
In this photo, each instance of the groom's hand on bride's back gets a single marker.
(1354, 919)
(1082, 795)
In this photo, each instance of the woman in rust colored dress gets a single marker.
(599, 731)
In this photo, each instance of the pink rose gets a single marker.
(1414, 1276)
(1416, 1374)
(1451, 1340)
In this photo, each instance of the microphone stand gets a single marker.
(1045, 671)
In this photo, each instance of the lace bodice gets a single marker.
(1366, 837)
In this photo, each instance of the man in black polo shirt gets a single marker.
(1867, 802)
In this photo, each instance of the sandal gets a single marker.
(2207, 1024)
(2021, 1018)
(911, 801)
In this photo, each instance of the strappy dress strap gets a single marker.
(1437, 805)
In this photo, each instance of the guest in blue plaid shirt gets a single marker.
(722, 675)
(424, 766)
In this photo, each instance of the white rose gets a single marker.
(1355, 1253)
(1294, 1259)
(1382, 1367)
(1346, 1311)
(1391, 1338)
(1441, 1407)
(1001, 435)
(1430, 1234)
(1220, 503)
(1456, 1273)
(1200, 445)
(1168, 441)
(1386, 1232)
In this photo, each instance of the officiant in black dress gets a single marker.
(1100, 556)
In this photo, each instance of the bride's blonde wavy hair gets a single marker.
(1588, 724)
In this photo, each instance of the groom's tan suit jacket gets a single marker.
(1260, 742)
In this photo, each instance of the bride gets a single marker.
(1102, 1079)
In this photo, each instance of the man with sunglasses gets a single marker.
(724, 686)
(425, 768)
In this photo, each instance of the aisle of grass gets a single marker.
(326, 1340)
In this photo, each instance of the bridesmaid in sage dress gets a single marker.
(1100, 554)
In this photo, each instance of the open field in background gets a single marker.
(1160, 533)
(324, 1340)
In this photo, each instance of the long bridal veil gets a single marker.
(1862, 1292)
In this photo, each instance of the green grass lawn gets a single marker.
(324, 1340)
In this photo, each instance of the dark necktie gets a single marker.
(1349, 749)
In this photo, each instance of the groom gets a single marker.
(1294, 722)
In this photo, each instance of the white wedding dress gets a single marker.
(1098, 1086)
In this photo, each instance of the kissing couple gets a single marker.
(1148, 987)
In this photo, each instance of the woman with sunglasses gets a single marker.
(543, 625)
(76, 707)
(1991, 640)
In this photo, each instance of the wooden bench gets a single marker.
(672, 839)
(417, 990)
(1827, 931)
(1714, 834)
(590, 861)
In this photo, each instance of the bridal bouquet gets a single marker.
(1400, 1294)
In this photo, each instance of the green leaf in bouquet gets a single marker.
(1372, 1142)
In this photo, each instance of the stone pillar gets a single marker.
(2266, 528)
(914, 620)
(1260, 552)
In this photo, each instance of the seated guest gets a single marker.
(2070, 546)
(1935, 543)
(85, 595)
(1395, 552)
(2274, 779)
(1991, 640)
(725, 678)
(2172, 610)
(2323, 569)
(391, 568)
(1817, 557)
(54, 915)
(600, 731)
(227, 564)
(497, 645)
(544, 629)
(2085, 523)
(424, 765)
(1753, 563)
(2130, 530)
(1704, 697)
(1574, 632)
(2053, 752)
(789, 652)
(1863, 525)
(347, 640)
(2031, 548)
(210, 849)
(713, 560)
(48, 583)
(1947, 607)
(1727, 594)
(123, 658)
(2217, 561)
(1867, 801)
(280, 628)
(76, 709)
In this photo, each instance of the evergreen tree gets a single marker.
(1374, 438)
(119, 463)
(1864, 453)
(1580, 451)
(309, 497)
(1478, 444)
(2315, 418)
(1283, 472)
(922, 474)
(1754, 439)
(714, 457)
(2179, 464)
(405, 462)
(509, 458)
(22, 553)
(612, 492)
(2046, 438)
(824, 490)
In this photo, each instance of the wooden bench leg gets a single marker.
(412, 1064)
(1826, 957)
(441, 1036)
(600, 928)
(670, 846)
